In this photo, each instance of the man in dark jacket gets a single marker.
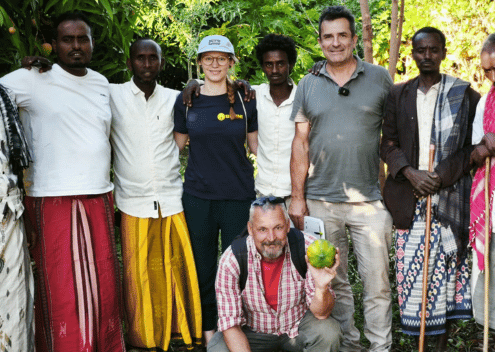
(438, 110)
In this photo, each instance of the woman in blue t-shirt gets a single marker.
(219, 182)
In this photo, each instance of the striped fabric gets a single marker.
(160, 284)
(78, 298)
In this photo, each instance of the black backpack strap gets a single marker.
(298, 251)
(239, 248)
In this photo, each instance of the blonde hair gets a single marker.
(231, 96)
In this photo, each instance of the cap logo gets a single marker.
(214, 42)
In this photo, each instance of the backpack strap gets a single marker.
(239, 248)
(298, 251)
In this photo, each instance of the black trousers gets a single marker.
(206, 219)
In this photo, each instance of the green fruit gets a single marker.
(321, 253)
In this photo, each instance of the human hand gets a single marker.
(424, 182)
(488, 140)
(297, 211)
(315, 70)
(479, 154)
(324, 276)
(249, 93)
(192, 88)
(43, 63)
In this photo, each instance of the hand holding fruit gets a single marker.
(323, 259)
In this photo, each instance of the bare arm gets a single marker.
(323, 300)
(299, 165)
(252, 141)
(236, 340)
(181, 140)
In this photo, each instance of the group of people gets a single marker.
(318, 148)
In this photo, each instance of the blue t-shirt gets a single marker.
(218, 168)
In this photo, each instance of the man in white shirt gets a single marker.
(157, 254)
(66, 116)
(277, 56)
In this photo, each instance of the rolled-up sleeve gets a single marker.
(228, 292)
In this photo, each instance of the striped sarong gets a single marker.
(161, 291)
(77, 304)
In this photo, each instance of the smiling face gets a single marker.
(337, 42)
(73, 46)
(215, 65)
(488, 64)
(428, 52)
(276, 67)
(269, 230)
(145, 62)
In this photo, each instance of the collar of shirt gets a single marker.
(264, 91)
(136, 90)
(359, 69)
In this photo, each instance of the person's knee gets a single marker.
(217, 343)
(331, 332)
(326, 333)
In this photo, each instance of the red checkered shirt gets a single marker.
(250, 308)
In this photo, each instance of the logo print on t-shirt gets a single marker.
(221, 116)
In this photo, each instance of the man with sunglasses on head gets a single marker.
(276, 306)
(334, 173)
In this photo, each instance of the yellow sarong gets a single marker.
(161, 291)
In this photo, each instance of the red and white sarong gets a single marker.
(77, 305)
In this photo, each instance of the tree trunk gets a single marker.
(367, 31)
(394, 42)
(395, 35)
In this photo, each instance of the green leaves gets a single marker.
(465, 23)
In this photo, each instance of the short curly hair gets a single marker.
(430, 30)
(277, 42)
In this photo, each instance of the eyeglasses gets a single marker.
(269, 199)
(221, 60)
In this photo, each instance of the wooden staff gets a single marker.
(487, 253)
(426, 257)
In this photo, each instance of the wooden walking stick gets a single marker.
(487, 254)
(426, 257)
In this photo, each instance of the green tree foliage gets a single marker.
(465, 23)
(113, 29)
(245, 22)
(179, 25)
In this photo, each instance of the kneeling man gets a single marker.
(281, 305)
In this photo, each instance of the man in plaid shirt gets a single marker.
(278, 308)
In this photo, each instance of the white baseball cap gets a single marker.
(216, 43)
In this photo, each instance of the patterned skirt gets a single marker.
(448, 294)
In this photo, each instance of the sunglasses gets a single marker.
(269, 199)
